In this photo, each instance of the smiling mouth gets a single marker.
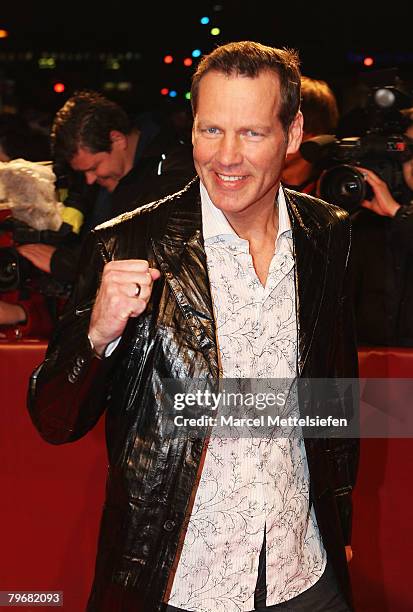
(230, 178)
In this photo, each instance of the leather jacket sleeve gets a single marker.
(67, 391)
(343, 454)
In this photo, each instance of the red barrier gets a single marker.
(383, 508)
(52, 498)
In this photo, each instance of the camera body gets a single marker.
(16, 272)
(382, 149)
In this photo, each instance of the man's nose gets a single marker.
(229, 151)
(90, 178)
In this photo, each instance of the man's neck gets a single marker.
(297, 172)
(257, 228)
(261, 233)
(133, 139)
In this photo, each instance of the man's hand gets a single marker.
(11, 314)
(119, 298)
(39, 254)
(383, 203)
(349, 553)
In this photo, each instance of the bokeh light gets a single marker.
(59, 87)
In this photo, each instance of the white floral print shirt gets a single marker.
(249, 484)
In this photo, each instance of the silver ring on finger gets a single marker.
(138, 289)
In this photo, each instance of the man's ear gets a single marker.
(118, 139)
(295, 133)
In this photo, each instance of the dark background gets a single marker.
(88, 39)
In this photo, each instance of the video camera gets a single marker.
(383, 149)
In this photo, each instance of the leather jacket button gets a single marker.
(80, 361)
(76, 370)
(169, 525)
(72, 377)
(146, 550)
(195, 451)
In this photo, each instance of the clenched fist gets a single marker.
(124, 292)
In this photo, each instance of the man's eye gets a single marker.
(253, 133)
(211, 130)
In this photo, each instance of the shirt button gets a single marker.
(169, 525)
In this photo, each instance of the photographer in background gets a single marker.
(382, 259)
(125, 163)
(320, 112)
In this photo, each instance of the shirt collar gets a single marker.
(214, 222)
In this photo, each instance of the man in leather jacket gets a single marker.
(191, 287)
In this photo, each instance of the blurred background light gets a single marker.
(59, 87)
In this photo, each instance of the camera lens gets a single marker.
(344, 186)
(9, 269)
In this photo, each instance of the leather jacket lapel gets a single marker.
(311, 253)
(180, 255)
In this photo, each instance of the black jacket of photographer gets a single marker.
(152, 476)
(383, 276)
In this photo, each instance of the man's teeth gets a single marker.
(225, 177)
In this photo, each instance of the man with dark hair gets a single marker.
(124, 163)
(232, 277)
(90, 122)
(320, 113)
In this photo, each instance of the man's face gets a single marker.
(106, 168)
(239, 143)
(408, 166)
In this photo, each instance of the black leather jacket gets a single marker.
(152, 477)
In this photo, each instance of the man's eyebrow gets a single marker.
(253, 126)
(256, 127)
